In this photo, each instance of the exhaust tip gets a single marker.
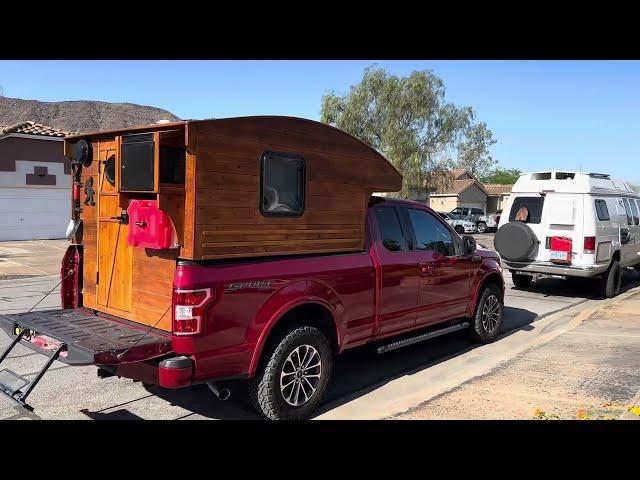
(221, 393)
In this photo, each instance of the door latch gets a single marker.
(123, 218)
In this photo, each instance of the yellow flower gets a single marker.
(635, 409)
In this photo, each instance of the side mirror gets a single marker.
(468, 244)
(392, 245)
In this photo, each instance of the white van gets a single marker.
(570, 224)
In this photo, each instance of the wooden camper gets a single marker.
(233, 188)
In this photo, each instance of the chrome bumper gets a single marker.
(555, 269)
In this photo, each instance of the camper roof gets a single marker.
(567, 181)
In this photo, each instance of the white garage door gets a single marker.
(34, 213)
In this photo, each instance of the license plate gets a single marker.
(560, 255)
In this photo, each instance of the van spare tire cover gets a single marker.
(515, 241)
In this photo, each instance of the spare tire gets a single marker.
(515, 241)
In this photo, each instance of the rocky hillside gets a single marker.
(80, 115)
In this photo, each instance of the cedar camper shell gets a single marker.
(207, 190)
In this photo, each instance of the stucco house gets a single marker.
(464, 190)
(35, 182)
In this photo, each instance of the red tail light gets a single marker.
(189, 307)
(589, 245)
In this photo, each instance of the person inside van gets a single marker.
(523, 214)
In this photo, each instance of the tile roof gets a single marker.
(33, 128)
(458, 173)
(456, 187)
(497, 188)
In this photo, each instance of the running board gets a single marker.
(421, 338)
(17, 388)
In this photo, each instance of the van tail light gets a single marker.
(70, 277)
(589, 245)
(189, 308)
(561, 249)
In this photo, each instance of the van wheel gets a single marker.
(487, 321)
(521, 281)
(611, 280)
(482, 227)
(293, 375)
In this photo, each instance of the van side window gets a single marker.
(634, 211)
(282, 184)
(530, 209)
(627, 210)
(390, 230)
(602, 210)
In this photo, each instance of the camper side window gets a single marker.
(282, 184)
(602, 210)
(627, 210)
(634, 211)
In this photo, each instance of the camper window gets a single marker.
(602, 210)
(634, 211)
(533, 206)
(282, 185)
(627, 211)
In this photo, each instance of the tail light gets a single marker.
(70, 278)
(189, 308)
(589, 245)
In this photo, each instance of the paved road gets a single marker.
(76, 392)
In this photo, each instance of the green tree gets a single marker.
(473, 150)
(405, 118)
(501, 175)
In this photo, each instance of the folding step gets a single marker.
(405, 342)
(17, 388)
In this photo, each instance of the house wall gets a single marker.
(443, 203)
(472, 195)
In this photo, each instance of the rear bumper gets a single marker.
(554, 269)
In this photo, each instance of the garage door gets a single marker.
(34, 213)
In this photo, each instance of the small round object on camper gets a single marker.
(515, 241)
(82, 153)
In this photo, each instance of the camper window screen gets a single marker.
(136, 163)
(282, 186)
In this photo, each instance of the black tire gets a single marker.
(479, 329)
(516, 241)
(459, 229)
(521, 281)
(264, 388)
(482, 227)
(611, 281)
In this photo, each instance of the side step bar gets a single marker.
(421, 338)
(12, 384)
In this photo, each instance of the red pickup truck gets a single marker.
(279, 321)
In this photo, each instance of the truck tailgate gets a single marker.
(90, 339)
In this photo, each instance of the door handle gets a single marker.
(426, 268)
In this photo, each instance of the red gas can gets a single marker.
(149, 226)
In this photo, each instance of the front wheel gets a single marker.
(294, 375)
(482, 227)
(487, 320)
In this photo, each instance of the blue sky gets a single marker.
(544, 114)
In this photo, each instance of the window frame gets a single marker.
(303, 189)
(600, 201)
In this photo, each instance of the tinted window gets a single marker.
(529, 209)
(430, 233)
(282, 184)
(136, 163)
(634, 211)
(390, 229)
(627, 210)
(477, 211)
(602, 210)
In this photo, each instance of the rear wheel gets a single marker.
(521, 281)
(482, 227)
(611, 281)
(459, 229)
(487, 321)
(293, 375)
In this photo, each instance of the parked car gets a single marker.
(279, 322)
(459, 225)
(470, 214)
(488, 223)
(570, 224)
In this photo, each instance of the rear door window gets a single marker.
(527, 209)
(627, 210)
(391, 232)
(602, 210)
